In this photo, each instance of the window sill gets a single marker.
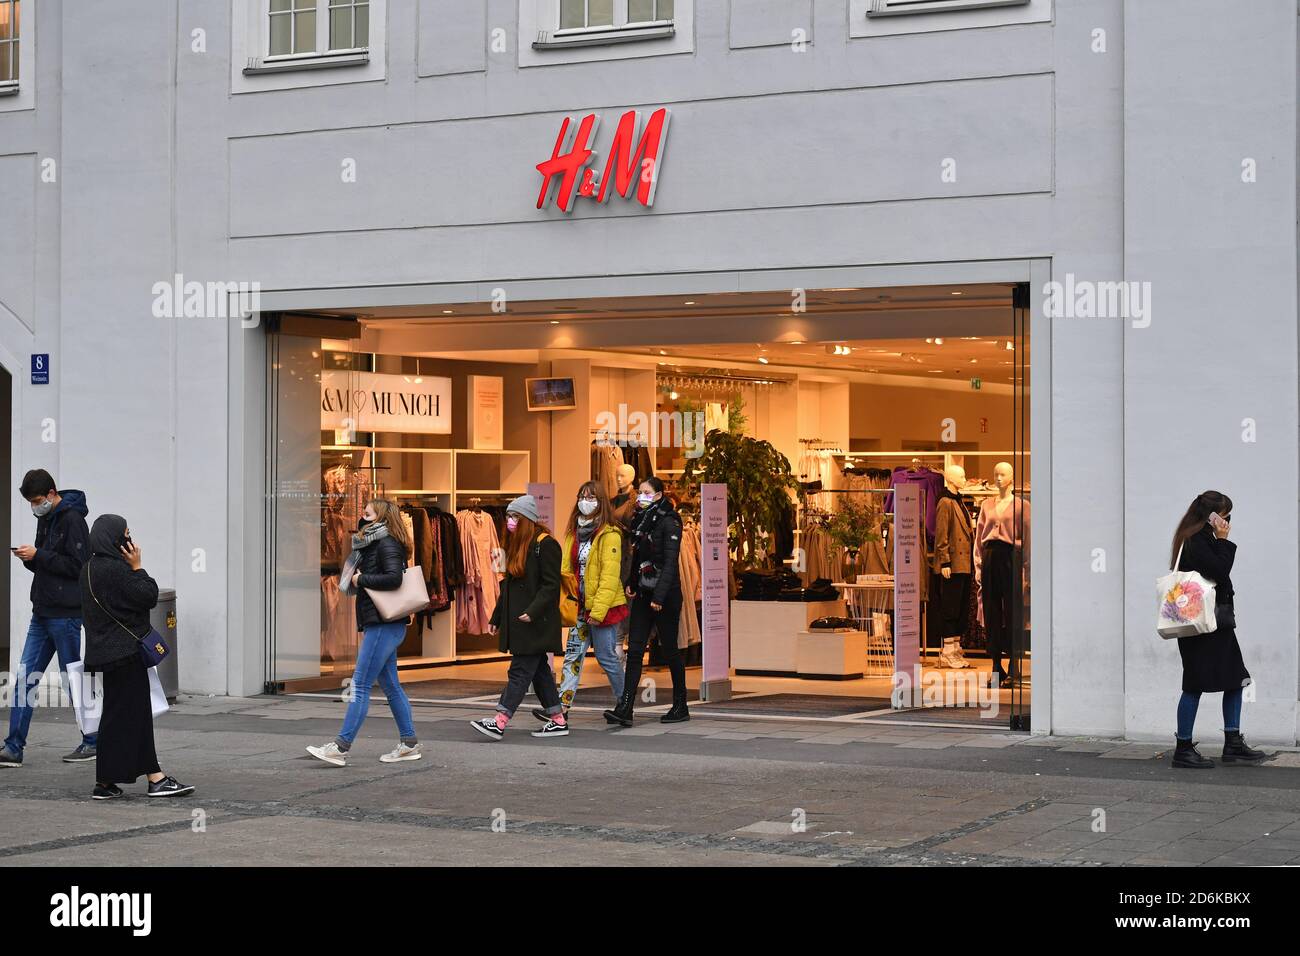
(9, 88)
(603, 36)
(315, 61)
(893, 8)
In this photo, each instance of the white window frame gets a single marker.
(9, 86)
(621, 31)
(890, 8)
(321, 56)
(253, 69)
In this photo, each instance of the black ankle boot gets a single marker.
(622, 712)
(1186, 756)
(1235, 749)
(677, 713)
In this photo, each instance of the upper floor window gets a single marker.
(579, 14)
(9, 44)
(297, 27)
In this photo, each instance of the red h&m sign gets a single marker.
(632, 160)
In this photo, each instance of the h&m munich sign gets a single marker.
(368, 402)
(635, 155)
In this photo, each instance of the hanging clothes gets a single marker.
(476, 599)
(690, 574)
(932, 484)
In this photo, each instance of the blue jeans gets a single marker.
(377, 660)
(608, 654)
(1188, 704)
(46, 636)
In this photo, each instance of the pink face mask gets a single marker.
(512, 524)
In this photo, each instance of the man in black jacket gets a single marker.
(55, 561)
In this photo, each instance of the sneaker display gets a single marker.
(402, 752)
(10, 759)
(169, 787)
(487, 726)
(330, 753)
(106, 792)
(83, 753)
(552, 729)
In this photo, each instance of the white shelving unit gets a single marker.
(446, 477)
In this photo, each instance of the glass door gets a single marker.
(1021, 608)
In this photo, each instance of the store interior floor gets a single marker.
(966, 700)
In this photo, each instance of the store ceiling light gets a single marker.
(954, 293)
(555, 321)
(448, 312)
(938, 341)
(673, 396)
(689, 302)
(762, 359)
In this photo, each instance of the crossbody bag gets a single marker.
(153, 649)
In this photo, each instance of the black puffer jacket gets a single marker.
(656, 538)
(536, 594)
(61, 549)
(381, 566)
(124, 594)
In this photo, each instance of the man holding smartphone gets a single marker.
(55, 561)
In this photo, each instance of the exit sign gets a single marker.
(975, 383)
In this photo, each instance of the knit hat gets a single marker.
(525, 505)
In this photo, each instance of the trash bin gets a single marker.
(163, 618)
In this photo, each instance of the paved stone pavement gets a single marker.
(715, 791)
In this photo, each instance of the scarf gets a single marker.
(586, 529)
(369, 534)
(106, 532)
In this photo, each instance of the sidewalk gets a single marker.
(714, 791)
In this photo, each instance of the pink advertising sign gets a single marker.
(909, 560)
(715, 616)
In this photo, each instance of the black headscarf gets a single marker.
(105, 534)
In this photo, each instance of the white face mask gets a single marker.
(588, 506)
(645, 501)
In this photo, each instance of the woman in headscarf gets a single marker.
(116, 598)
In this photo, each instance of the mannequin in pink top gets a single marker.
(1001, 532)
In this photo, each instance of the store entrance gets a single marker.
(815, 407)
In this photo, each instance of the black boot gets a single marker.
(677, 713)
(1236, 751)
(622, 712)
(1186, 755)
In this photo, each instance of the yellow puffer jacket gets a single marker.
(601, 583)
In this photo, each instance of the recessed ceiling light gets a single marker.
(673, 396)
(689, 302)
(954, 293)
(555, 321)
(448, 312)
(762, 359)
(938, 341)
(662, 352)
(797, 342)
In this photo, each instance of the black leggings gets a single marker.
(997, 592)
(665, 624)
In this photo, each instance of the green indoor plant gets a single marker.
(759, 483)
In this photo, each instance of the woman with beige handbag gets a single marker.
(387, 592)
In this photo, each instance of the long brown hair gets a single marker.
(519, 541)
(603, 515)
(1198, 513)
(387, 512)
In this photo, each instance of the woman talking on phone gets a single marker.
(117, 595)
(1212, 662)
(656, 591)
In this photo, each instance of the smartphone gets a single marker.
(1218, 522)
(124, 542)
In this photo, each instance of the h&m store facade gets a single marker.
(829, 173)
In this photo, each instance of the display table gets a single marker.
(831, 655)
(765, 634)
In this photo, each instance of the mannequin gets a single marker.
(953, 543)
(1001, 532)
(625, 475)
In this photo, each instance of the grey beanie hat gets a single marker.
(525, 505)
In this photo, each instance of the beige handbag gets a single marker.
(411, 596)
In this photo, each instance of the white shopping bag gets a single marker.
(1186, 604)
(157, 699)
(87, 705)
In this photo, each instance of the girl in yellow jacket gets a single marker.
(591, 599)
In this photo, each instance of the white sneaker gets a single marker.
(402, 752)
(330, 753)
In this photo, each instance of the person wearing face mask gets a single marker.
(382, 547)
(592, 560)
(1211, 662)
(55, 561)
(526, 621)
(655, 589)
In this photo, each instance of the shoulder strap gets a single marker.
(91, 585)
